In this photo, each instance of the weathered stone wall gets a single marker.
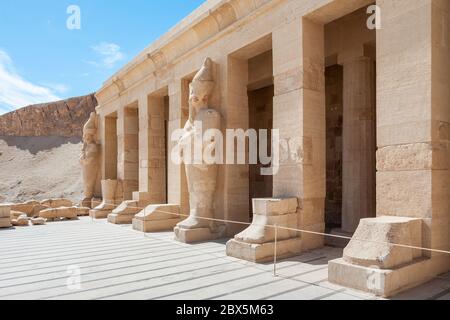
(62, 118)
(334, 114)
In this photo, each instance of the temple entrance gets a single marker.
(250, 93)
(350, 122)
(260, 105)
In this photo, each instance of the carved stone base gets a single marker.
(115, 218)
(87, 203)
(157, 217)
(82, 211)
(154, 226)
(256, 243)
(124, 213)
(382, 257)
(264, 252)
(99, 214)
(197, 235)
(96, 202)
(381, 282)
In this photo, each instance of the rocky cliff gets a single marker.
(62, 118)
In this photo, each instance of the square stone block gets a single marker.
(125, 212)
(376, 242)
(98, 214)
(196, 235)
(264, 252)
(121, 218)
(384, 283)
(155, 225)
(157, 217)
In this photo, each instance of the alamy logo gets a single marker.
(207, 147)
(73, 282)
(74, 20)
(374, 20)
(374, 279)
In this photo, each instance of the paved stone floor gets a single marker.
(119, 263)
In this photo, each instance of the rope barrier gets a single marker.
(276, 227)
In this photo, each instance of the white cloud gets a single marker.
(57, 87)
(16, 92)
(109, 54)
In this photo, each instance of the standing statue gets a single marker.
(89, 159)
(201, 176)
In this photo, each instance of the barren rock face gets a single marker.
(62, 118)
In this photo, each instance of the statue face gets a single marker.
(198, 98)
(88, 138)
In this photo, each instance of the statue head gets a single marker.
(201, 87)
(90, 129)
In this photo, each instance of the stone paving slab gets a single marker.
(117, 262)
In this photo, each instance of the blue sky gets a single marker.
(42, 60)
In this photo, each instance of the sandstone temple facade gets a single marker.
(363, 116)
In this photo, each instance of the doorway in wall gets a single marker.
(350, 74)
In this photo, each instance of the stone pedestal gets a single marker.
(5, 216)
(108, 205)
(371, 262)
(256, 243)
(198, 235)
(125, 212)
(159, 217)
(264, 252)
(86, 203)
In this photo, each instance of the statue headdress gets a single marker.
(204, 80)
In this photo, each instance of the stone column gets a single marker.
(413, 166)
(128, 157)
(299, 114)
(152, 157)
(178, 115)
(161, 213)
(299, 182)
(236, 117)
(358, 143)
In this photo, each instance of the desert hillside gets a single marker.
(39, 150)
(63, 118)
